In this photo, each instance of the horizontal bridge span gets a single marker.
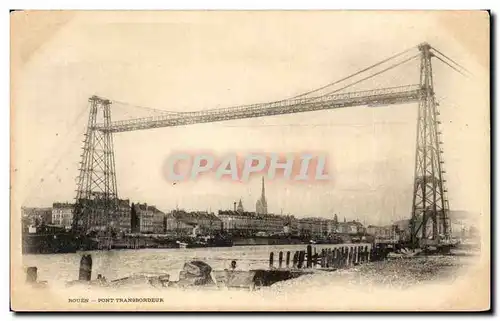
(384, 96)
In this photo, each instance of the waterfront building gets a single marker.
(383, 232)
(314, 226)
(351, 227)
(158, 221)
(62, 214)
(135, 222)
(250, 223)
(261, 205)
(188, 223)
(146, 218)
(37, 215)
(122, 217)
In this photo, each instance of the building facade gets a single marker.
(251, 223)
(383, 232)
(351, 227)
(37, 215)
(314, 226)
(147, 219)
(62, 214)
(186, 223)
(158, 221)
(122, 219)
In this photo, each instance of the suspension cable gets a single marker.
(373, 75)
(355, 74)
(145, 108)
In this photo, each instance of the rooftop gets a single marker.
(253, 215)
(62, 205)
(193, 216)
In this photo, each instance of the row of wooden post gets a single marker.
(338, 257)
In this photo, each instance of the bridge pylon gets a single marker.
(96, 201)
(430, 204)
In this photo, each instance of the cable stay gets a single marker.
(145, 108)
(451, 60)
(376, 74)
(452, 67)
(356, 73)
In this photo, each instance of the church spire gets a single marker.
(240, 207)
(261, 205)
(263, 189)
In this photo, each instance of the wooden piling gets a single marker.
(309, 256)
(301, 259)
(32, 274)
(287, 259)
(323, 258)
(280, 259)
(271, 258)
(85, 272)
(329, 258)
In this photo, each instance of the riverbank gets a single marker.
(416, 283)
(394, 273)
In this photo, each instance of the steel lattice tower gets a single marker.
(430, 204)
(97, 200)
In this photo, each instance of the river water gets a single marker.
(59, 268)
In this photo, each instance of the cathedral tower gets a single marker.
(261, 205)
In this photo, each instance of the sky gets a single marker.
(186, 61)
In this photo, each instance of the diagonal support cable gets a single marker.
(453, 61)
(375, 74)
(355, 74)
(452, 67)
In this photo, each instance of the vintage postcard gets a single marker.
(250, 161)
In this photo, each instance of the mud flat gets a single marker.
(396, 273)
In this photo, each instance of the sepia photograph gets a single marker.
(205, 160)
